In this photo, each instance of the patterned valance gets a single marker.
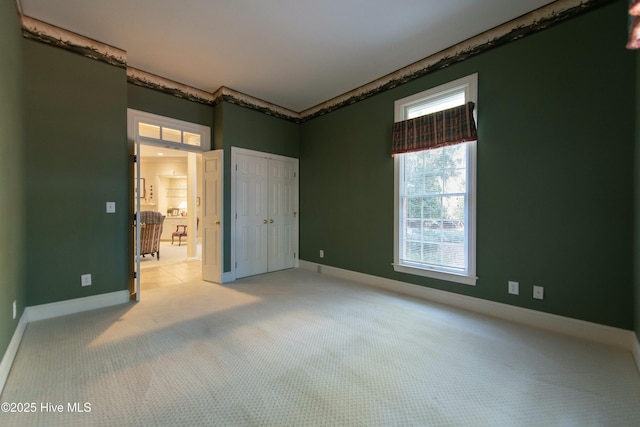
(435, 130)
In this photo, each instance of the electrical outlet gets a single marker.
(85, 279)
(321, 253)
(14, 309)
(514, 288)
(538, 292)
(111, 207)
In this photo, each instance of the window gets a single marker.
(167, 132)
(434, 230)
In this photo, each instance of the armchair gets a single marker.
(150, 231)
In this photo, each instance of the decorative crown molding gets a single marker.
(530, 23)
(50, 34)
(152, 81)
(234, 97)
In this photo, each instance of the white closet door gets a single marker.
(252, 210)
(281, 214)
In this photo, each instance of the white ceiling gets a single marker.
(161, 153)
(293, 53)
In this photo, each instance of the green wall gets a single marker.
(155, 102)
(254, 130)
(12, 249)
(77, 160)
(555, 173)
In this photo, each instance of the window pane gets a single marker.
(414, 207)
(432, 253)
(171, 135)
(148, 131)
(453, 255)
(414, 184)
(432, 232)
(433, 159)
(433, 207)
(413, 163)
(453, 207)
(456, 156)
(455, 181)
(192, 138)
(453, 232)
(412, 251)
(433, 184)
(413, 230)
(435, 104)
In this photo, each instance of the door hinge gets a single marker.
(236, 166)
(236, 264)
(135, 158)
(135, 275)
(295, 214)
(294, 255)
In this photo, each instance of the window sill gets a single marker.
(449, 277)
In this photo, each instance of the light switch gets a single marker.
(111, 207)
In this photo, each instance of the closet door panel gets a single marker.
(252, 221)
(281, 214)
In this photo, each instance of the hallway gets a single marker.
(171, 269)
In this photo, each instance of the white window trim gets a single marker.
(470, 85)
(135, 117)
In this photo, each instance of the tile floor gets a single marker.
(171, 269)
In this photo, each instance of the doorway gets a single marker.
(164, 188)
(168, 198)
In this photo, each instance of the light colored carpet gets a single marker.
(302, 349)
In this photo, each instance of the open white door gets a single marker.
(212, 167)
(138, 225)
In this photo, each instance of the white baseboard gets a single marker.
(12, 350)
(62, 308)
(56, 309)
(228, 276)
(608, 335)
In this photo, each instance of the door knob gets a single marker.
(271, 222)
(217, 222)
(264, 222)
